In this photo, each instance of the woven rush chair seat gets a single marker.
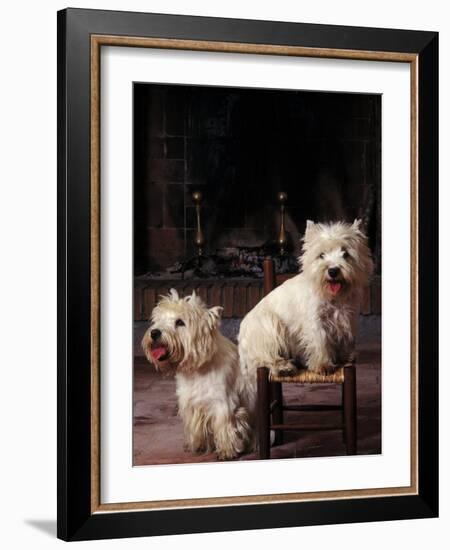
(309, 377)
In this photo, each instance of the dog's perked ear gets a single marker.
(194, 299)
(357, 224)
(215, 314)
(174, 294)
(311, 229)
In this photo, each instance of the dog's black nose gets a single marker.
(155, 334)
(333, 272)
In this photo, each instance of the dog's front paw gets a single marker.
(284, 369)
(195, 448)
(225, 454)
(326, 370)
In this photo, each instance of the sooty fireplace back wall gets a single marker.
(240, 147)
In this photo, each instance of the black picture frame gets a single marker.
(75, 518)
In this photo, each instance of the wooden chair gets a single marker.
(270, 406)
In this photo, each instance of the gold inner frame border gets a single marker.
(97, 41)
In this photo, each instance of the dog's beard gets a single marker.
(159, 352)
(186, 350)
(162, 360)
(162, 353)
(335, 288)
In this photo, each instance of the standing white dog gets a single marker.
(184, 335)
(311, 318)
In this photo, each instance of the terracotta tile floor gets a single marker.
(158, 432)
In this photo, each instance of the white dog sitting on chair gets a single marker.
(311, 318)
(212, 398)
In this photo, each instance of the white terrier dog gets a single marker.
(184, 335)
(311, 319)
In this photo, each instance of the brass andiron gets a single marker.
(282, 238)
(199, 239)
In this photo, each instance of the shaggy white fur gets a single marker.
(212, 397)
(311, 319)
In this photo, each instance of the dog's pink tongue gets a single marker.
(335, 288)
(158, 352)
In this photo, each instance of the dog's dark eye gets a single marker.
(345, 255)
(179, 323)
(322, 256)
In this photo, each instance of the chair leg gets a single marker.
(344, 436)
(263, 407)
(349, 398)
(277, 412)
